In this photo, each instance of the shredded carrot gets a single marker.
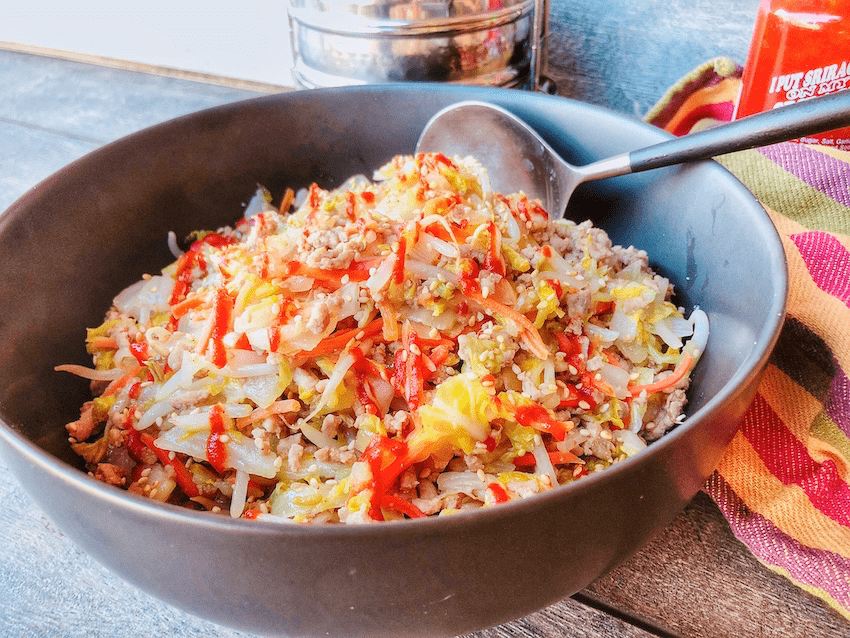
(529, 335)
(331, 278)
(340, 339)
(278, 407)
(392, 502)
(563, 458)
(180, 309)
(669, 381)
(119, 383)
(286, 202)
(104, 343)
(181, 475)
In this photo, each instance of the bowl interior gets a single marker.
(76, 239)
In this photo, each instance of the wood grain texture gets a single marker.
(697, 579)
(623, 54)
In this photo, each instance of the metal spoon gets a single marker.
(518, 159)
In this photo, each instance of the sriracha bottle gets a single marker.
(800, 50)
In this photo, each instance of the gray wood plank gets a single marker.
(95, 103)
(29, 154)
(624, 55)
(52, 588)
(697, 579)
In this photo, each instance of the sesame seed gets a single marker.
(572, 369)
(584, 405)
(360, 335)
(434, 333)
(605, 434)
(415, 349)
(584, 432)
(576, 470)
(345, 278)
(224, 438)
(404, 355)
(153, 493)
(215, 509)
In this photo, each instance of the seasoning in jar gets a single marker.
(800, 50)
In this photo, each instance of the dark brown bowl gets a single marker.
(80, 236)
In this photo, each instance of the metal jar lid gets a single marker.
(481, 42)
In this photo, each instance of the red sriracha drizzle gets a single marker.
(223, 309)
(363, 369)
(493, 260)
(469, 277)
(387, 459)
(191, 258)
(398, 266)
(538, 417)
(498, 492)
(139, 349)
(350, 205)
(216, 449)
(408, 377)
(181, 475)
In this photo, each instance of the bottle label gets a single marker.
(793, 87)
(800, 50)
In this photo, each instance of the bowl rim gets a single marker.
(754, 364)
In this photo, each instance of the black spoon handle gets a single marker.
(781, 124)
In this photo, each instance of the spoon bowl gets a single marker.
(519, 159)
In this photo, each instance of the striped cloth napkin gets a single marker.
(784, 482)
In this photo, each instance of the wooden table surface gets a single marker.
(693, 579)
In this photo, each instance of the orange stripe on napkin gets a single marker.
(798, 410)
(786, 506)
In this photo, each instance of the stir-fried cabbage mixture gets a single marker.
(398, 348)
